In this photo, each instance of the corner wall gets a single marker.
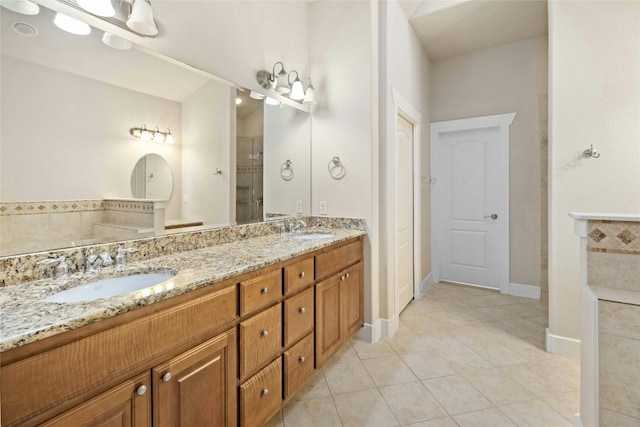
(594, 99)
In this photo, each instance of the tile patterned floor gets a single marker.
(463, 356)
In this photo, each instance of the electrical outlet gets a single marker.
(299, 206)
(323, 208)
(185, 199)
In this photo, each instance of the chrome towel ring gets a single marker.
(286, 171)
(336, 168)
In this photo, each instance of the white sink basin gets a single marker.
(106, 288)
(313, 236)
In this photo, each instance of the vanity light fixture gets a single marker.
(116, 42)
(239, 100)
(98, 7)
(270, 101)
(141, 18)
(297, 91)
(256, 95)
(25, 7)
(152, 135)
(309, 94)
(282, 85)
(71, 25)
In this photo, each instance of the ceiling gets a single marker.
(450, 27)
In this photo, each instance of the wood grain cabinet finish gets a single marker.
(298, 275)
(298, 365)
(261, 395)
(260, 340)
(353, 300)
(126, 405)
(198, 387)
(260, 291)
(338, 259)
(298, 316)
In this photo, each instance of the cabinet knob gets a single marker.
(265, 333)
(342, 278)
(166, 377)
(265, 290)
(348, 275)
(302, 310)
(265, 391)
(302, 359)
(141, 390)
(302, 274)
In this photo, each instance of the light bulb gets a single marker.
(71, 25)
(25, 7)
(297, 91)
(169, 138)
(270, 101)
(98, 7)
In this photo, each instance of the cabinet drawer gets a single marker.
(259, 292)
(338, 259)
(298, 316)
(260, 339)
(298, 365)
(261, 395)
(298, 275)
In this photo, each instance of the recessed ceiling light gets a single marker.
(24, 28)
(71, 25)
(239, 100)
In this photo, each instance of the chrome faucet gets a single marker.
(121, 257)
(295, 227)
(62, 269)
(92, 263)
(106, 259)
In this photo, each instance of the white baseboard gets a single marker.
(520, 290)
(577, 421)
(370, 332)
(562, 346)
(424, 286)
(390, 326)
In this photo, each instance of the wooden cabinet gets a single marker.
(260, 291)
(339, 310)
(126, 405)
(198, 387)
(261, 395)
(298, 365)
(298, 275)
(298, 316)
(260, 340)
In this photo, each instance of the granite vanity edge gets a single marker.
(82, 314)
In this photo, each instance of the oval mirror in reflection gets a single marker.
(152, 178)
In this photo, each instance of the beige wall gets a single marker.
(507, 78)
(594, 99)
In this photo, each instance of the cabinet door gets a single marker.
(126, 405)
(198, 387)
(328, 314)
(352, 303)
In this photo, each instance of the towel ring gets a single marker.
(336, 168)
(286, 171)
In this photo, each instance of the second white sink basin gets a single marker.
(106, 288)
(312, 236)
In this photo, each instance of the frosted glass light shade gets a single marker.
(270, 101)
(141, 19)
(71, 25)
(282, 85)
(25, 7)
(309, 96)
(98, 7)
(116, 42)
(297, 91)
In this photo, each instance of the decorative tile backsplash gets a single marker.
(613, 236)
(31, 208)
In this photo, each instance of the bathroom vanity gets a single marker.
(228, 341)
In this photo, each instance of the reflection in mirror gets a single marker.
(68, 103)
(151, 178)
(249, 159)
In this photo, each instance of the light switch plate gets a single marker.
(323, 208)
(299, 206)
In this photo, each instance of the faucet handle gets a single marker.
(62, 269)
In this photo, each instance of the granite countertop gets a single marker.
(27, 317)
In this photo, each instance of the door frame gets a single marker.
(402, 107)
(502, 122)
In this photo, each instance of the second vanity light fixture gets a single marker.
(151, 135)
(282, 84)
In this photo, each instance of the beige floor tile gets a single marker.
(566, 404)
(347, 376)
(528, 350)
(499, 389)
(493, 300)
(406, 341)
(389, 370)
(276, 420)
(440, 422)
(364, 408)
(456, 395)
(472, 335)
(563, 369)
(366, 350)
(491, 417)
(534, 413)
(464, 360)
(427, 364)
(316, 387)
(615, 419)
(536, 380)
(497, 353)
(412, 402)
(319, 412)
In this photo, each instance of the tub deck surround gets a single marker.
(26, 318)
(610, 319)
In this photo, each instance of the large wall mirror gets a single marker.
(68, 104)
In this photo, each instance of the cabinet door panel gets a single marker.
(353, 302)
(260, 291)
(261, 395)
(328, 315)
(298, 365)
(298, 316)
(197, 388)
(298, 275)
(260, 340)
(119, 407)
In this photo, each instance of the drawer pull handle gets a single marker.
(265, 333)
(140, 391)
(348, 275)
(302, 359)
(265, 391)
(302, 310)
(166, 377)
(265, 291)
(302, 274)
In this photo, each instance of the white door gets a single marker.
(403, 190)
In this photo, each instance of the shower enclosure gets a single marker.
(249, 168)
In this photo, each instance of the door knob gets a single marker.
(492, 216)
